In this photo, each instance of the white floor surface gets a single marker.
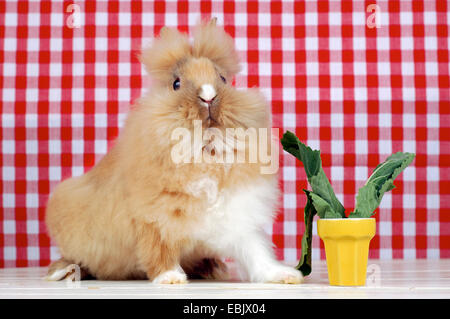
(386, 279)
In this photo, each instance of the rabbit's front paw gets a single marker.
(284, 275)
(171, 277)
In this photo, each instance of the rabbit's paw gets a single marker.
(284, 275)
(171, 277)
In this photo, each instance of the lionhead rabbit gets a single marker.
(140, 214)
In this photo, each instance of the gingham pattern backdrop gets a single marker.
(355, 92)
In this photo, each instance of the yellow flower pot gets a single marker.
(346, 243)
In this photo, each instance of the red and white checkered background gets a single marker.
(357, 93)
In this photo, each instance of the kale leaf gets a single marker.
(381, 181)
(321, 200)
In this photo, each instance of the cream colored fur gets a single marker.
(136, 214)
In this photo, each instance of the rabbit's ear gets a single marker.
(164, 53)
(215, 44)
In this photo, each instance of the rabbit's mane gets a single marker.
(172, 47)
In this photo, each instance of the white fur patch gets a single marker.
(207, 92)
(237, 214)
(70, 272)
(205, 186)
(284, 275)
(173, 276)
(235, 230)
(56, 275)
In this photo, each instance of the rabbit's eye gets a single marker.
(223, 79)
(176, 84)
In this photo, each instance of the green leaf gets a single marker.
(367, 202)
(322, 188)
(381, 181)
(310, 158)
(323, 208)
(304, 264)
(313, 168)
(321, 200)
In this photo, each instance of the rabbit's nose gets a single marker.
(207, 94)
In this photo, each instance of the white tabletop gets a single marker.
(386, 279)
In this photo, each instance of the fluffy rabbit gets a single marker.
(138, 214)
